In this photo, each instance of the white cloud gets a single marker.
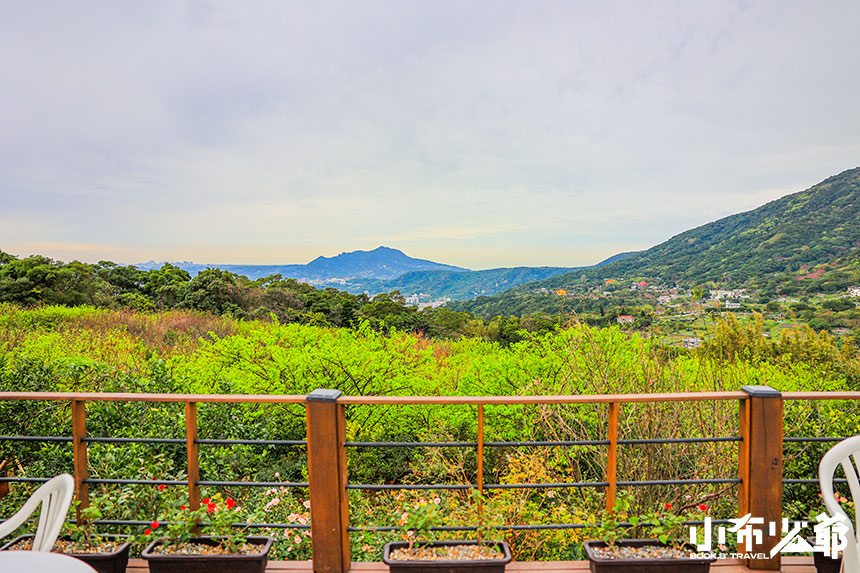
(271, 130)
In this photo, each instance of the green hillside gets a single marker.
(464, 285)
(798, 242)
(458, 284)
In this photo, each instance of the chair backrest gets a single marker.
(846, 454)
(55, 496)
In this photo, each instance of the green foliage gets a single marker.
(83, 348)
(800, 243)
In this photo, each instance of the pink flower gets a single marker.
(437, 501)
(230, 503)
(307, 503)
(297, 539)
(702, 507)
(161, 487)
(155, 524)
(667, 505)
(147, 531)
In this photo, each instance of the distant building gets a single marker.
(730, 304)
(692, 342)
(561, 292)
(625, 319)
(854, 291)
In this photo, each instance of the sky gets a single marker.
(474, 133)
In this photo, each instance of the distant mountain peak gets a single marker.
(382, 263)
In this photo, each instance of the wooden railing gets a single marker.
(760, 447)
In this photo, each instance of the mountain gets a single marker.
(380, 263)
(785, 240)
(466, 285)
(457, 285)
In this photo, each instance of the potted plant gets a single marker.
(174, 547)
(827, 563)
(668, 552)
(104, 553)
(422, 553)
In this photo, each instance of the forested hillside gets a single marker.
(802, 243)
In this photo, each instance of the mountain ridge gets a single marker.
(379, 263)
(780, 240)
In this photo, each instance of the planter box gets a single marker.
(202, 563)
(676, 565)
(477, 565)
(824, 564)
(114, 562)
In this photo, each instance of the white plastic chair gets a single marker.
(55, 495)
(847, 454)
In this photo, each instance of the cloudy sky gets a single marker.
(474, 133)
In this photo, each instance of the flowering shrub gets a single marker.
(669, 527)
(215, 517)
(284, 506)
(663, 524)
(416, 524)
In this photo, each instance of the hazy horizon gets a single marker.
(481, 134)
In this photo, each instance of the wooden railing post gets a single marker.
(764, 463)
(327, 477)
(79, 450)
(612, 456)
(744, 456)
(480, 465)
(193, 457)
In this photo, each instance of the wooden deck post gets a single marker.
(764, 468)
(612, 456)
(327, 477)
(192, 453)
(79, 450)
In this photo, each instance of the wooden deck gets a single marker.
(790, 564)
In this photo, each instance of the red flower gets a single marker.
(702, 507)
(161, 487)
(148, 531)
(183, 507)
(230, 503)
(155, 524)
(667, 505)
(210, 508)
(205, 501)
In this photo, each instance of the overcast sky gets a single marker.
(479, 134)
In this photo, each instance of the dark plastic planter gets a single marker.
(249, 563)
(824, 564)
(114, 562)
(677, 565)
(477, 565)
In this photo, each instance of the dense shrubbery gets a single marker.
(84, 348)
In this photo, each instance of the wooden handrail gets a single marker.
(572, 399)
(140, 397)
(821, 395)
